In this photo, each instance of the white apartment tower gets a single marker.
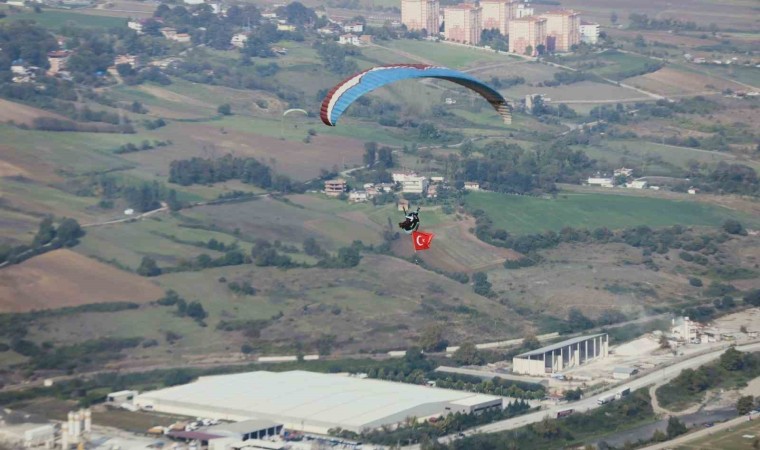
(496, 14)
(420, 15)
(563, 30)
(463, 23)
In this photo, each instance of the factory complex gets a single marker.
(311, 402)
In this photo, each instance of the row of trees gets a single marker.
(48, 237)
(186, 172)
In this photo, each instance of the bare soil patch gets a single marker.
(64, 278)
(670, 81)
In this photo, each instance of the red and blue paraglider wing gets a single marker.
(350, 89)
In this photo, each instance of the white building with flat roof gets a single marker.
(312, 402)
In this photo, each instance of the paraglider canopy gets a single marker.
(346, 92)
(295, 110)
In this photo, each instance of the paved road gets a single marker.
(589, 403)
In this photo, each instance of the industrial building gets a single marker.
(563, 355)
(311, 402)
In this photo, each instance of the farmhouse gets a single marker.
(334, 188)
(471, 186)
(637, 184)
(353, 28)
(358, 196)
(238, 40)
(600, 181)
(349, 39)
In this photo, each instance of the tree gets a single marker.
(614, 18)
(69, 232)
(745, 404)
(752, 298)
(148, 267)
(732, 226)
(675, 427)
(225, 109)
(432, 339)
(732, 360)
(694, 281)
(578, 321)
(467, 354)
(530, 342)
(45, 233)
(529, 50)
(370, 153)
(572, 395)
(196, 311)
(664, 342)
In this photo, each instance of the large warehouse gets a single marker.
(562, 355)
(311, 402)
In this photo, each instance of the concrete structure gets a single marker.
(239, 39)
(462, 23)
(496, 14)
(334, 188)
(600, 181)
(637, 184)
(420, 15)
(589, 32)
(414, 185)
(624, 373)
(526, 34)
(21, 430)
(245, 430)
(562, 30)
(57, 61)
(358, 196)
(563, 355)
(349, 39)
(400, 177)
(75, 430)
(522, 10)
(471, 186)
(312, 402)
(353, 28)
(121, 396)
(684, 330)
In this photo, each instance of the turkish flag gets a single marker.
(422, 240)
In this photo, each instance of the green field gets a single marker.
(524, 215)
(453, 56)
(619, 64)
(731, 439)
(56, 19)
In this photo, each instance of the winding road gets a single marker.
(654, 377)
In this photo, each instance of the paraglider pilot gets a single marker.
(411, 222)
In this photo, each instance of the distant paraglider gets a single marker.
(295, 110)
(346, 92)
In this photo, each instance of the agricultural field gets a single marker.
(653, 158)
(55, 19)
(523, 214)
(64, 278)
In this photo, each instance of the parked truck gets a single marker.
(606, 399)
(622, 393)
(564, 413)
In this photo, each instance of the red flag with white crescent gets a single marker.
(422, 240)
